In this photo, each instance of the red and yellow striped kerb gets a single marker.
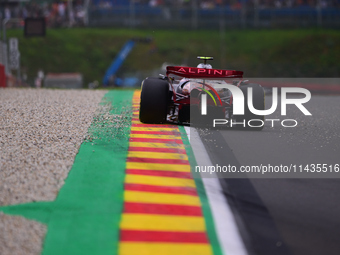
(162, 211)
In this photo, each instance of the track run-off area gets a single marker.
(132, 188)
(129, 192)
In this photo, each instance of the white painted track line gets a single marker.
(225, 225)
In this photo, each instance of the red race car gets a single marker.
(202, 96)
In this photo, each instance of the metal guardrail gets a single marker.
(194, 17)
(64, 80)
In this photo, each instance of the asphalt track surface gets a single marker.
(285, 215)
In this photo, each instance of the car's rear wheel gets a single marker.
(252, 121)
(154, 101)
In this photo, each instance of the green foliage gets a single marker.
(259, 53)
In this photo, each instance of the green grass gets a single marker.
(259, 53)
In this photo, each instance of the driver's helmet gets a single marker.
(206, 66)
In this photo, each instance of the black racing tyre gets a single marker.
(154, 101)
(257, 122)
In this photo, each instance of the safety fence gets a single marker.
(192, 17)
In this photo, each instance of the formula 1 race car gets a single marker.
(202, 95)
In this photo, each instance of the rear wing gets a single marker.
(202, 73)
